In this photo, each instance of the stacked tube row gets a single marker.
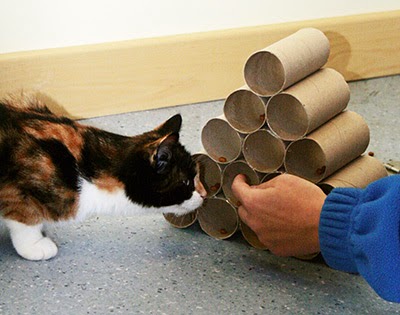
(290, 116)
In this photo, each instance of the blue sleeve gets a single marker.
(359, 232)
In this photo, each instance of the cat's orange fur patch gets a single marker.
(16, 207)
(40, 162)
(199, 187)
(65, 134)
(108, 183)
(27, 210)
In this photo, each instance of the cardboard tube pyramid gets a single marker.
(289, 117)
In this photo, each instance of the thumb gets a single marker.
(240, 187)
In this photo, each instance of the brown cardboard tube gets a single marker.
(245, 110)
(229, 174)
(210, 173)
(251, 237)
(308, 104)
(358, 173)
(263, 151)
(328, 148)
(221, 142)
(182, 221)
(286, 62)
(218, 218)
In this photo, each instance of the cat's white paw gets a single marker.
(41, 250)
(29, 241)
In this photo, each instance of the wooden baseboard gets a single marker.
(118, 77)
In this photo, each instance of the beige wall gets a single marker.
(39, 24)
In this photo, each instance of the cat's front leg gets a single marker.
(29, 241)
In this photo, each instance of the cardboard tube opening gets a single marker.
(251, 237)
(245, 111)
(305, 158)
(218, 218)
(264, 73)
(229, 174)
(221, 142)
(210, 173)
(182, 221)
(287, 61)
(286, 117)
(263, 151)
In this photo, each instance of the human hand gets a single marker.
(284, 213)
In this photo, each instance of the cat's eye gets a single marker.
(161, 166)
(164, 157)
(186, 182)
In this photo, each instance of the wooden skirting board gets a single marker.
(96, 80)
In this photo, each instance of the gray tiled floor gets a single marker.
(141, 265)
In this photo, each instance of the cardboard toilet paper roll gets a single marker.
(286, 62)
(245, 110)
(210, 173)
(328, 148)
(218, 218)
(264, 151)
(358, 173)
(182, 221)
(221, 142)
(308, 104)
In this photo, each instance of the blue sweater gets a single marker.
(360, 232)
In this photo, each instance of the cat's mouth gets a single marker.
(187, 206)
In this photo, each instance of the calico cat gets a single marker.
(55, 169)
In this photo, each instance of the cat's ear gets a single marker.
(164, 152)
(171, 126)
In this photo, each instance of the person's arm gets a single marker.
(359, 231)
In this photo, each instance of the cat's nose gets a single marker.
(201, 190)
(203, 193)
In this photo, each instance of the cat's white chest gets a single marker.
(96, 201)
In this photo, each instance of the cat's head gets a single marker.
(160, 172)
